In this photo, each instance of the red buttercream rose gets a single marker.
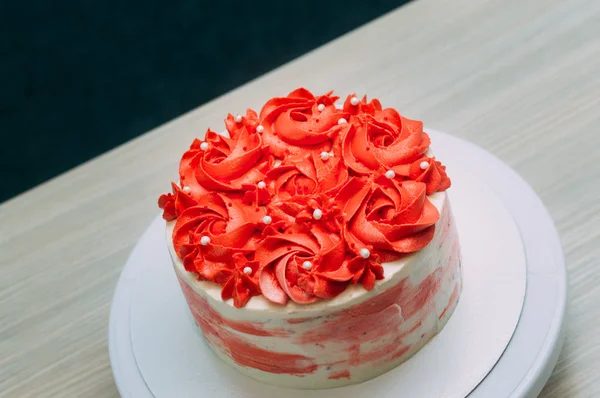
(293, 265)
(386, 216)
(301, 122)
(224, 164)
(381, 139)
(308, 175)
(205, 236)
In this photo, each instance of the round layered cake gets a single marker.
(314, 244)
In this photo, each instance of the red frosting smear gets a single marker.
(451, 300)
(294, 193)
(239, 348)
(342, 374)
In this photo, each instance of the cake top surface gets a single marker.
(304, 198)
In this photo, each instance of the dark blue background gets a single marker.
(80, 77)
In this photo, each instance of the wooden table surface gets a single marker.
(521, 79)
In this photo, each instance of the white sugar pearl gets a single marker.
(342, 121)
(261, 184)
(237, 118)
(365, 253)
(307, 265)
(424, 165)
(354, 101)
(267, 220)
(187, 189)
(204, 146)
(260, 128)
(390, 174)
(205, 240)
(317, 214)
(324, 156)
(321, 107)
(247, 270)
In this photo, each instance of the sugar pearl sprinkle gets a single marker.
(187, 189)
(237, 118)
(354, 101)
(317, 214)
(307, 265)
(342, 121)
(324, 156)
(365, 253)
(247, 270)
(260, 128)
(321, 107)
(204, 146)
(390, 174)
(424, 165)
(261, 184)
(205, 240)
(267, 220)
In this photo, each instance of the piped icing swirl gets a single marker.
(305, 199)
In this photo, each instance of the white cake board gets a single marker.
(175, 362)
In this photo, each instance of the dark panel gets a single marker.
(80, 77)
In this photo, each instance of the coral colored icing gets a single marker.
(360, 207)
(217, 331)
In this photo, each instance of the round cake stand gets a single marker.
(527, 361)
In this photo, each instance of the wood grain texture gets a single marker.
(520, 79)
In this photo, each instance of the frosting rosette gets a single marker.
(224, 164)
(301, 123)
(304, 199)
(307, 175)
(381, 139)
(208, 234)
(294, 265)
(388, 217)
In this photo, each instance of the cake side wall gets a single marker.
(336, 345)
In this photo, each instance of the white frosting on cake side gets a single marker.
(353, 337)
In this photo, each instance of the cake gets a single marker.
(314, 242)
